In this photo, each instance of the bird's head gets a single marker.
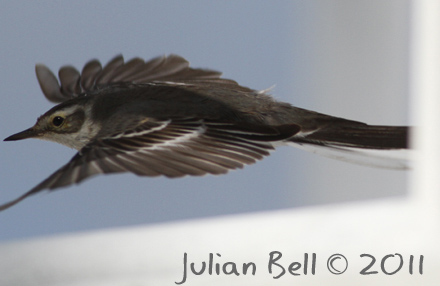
(63, 124)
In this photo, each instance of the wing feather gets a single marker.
(94, 77)
(89, 73)
(172, 148)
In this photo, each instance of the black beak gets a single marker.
(28, 133)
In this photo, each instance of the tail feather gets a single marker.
(359, 136)
(359, 143)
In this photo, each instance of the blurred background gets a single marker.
(343, 58)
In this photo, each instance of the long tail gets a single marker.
(359, 136)
(355, 142)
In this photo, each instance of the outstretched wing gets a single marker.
(93, 76)
(173, 148)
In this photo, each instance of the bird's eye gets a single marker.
(57, 121)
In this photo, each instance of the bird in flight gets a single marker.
(162, 117)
